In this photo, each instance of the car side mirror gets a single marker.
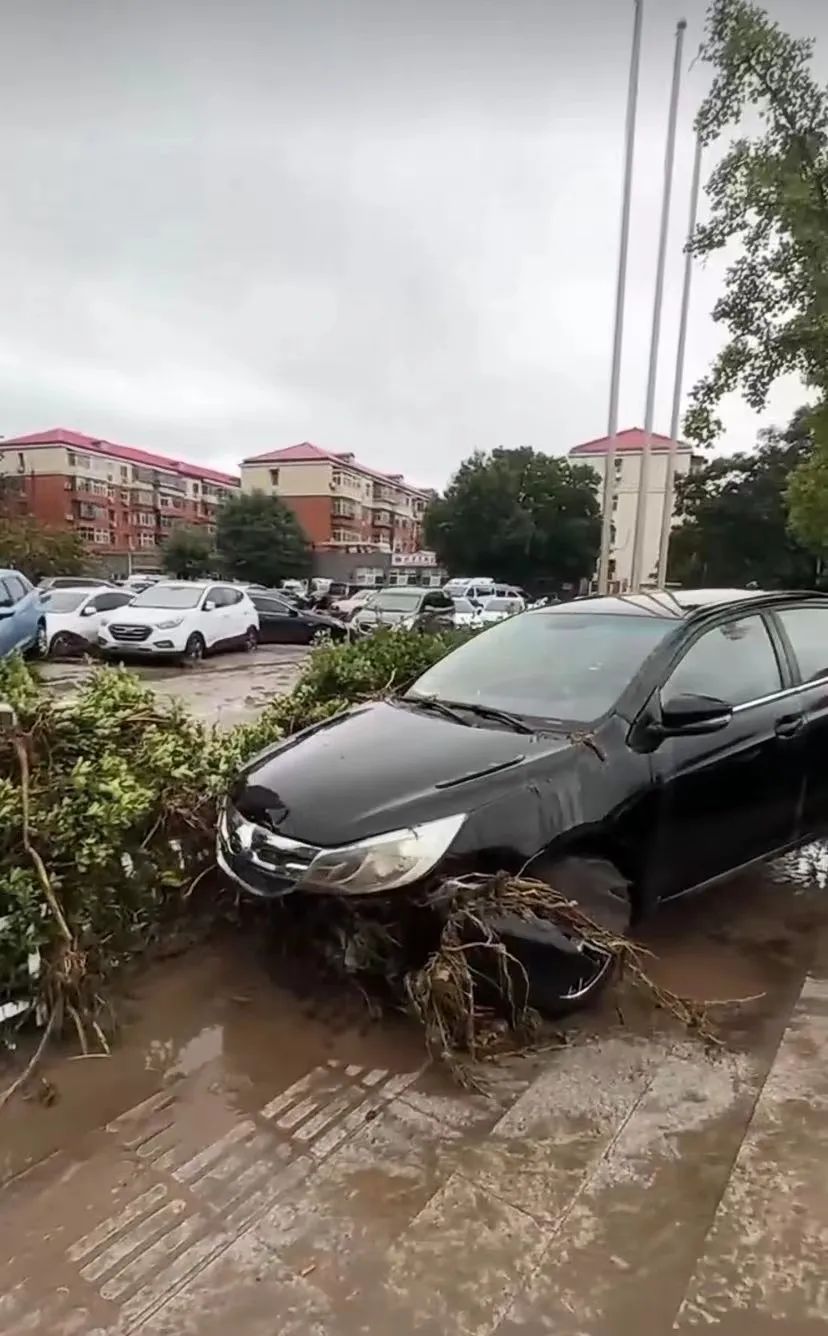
(690, 715)
(209, 606)
(88, 611)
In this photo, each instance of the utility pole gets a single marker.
(658, 300)
(620, 294)
(670, 479)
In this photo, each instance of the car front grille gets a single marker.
(133, 633)
(269, 864)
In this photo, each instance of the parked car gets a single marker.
(74, 616)
(22, 625)
(466, 613)
(405, 606)
(495, 609)
(181, 619)
(73, 582)
(474, 589)
(282, 622)
(344, 608)
(624, 750)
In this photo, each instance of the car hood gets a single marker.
(383, 767)
(375, 617)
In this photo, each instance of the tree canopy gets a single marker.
(734, 525)
(188, 553)
(259, 538)
(37, 550)
(518, 515)
(769, 199)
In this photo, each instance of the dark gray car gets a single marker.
(405, 606)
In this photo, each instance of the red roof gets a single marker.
(631, 439)
(309, 454)
(78, 441)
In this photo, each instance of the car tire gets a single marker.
(317, 637)
(195, 649)
(556, 985)
(40, 648)
(60, 646)
(251, 639)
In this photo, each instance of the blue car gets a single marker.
(22, 621)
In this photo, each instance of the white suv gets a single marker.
(181, 619)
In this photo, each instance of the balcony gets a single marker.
(343, 509)
(382, 519)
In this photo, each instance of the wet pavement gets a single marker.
(254, 1160)
(225, 689)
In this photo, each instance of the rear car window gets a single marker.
(807, 630)
(735, 662)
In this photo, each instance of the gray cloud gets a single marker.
(386, 227)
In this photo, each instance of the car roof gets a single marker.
(678, 604)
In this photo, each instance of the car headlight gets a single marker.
(170, 625)
(383, 862)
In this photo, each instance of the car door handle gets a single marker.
(789, 726)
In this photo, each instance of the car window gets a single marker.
(232, 596)
(65, 600)
(169, 596)
(549, 664)
(215, 595)
(17, 588)
(6, 596)
(463, 605)
(106, 602)
(274, 606)
(807, 630)
(734, 662)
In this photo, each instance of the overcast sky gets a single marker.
(386, 226)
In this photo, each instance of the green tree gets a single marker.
(518, 515)
(734, 520)
(769, 201)
(38, 550)
(259, 539)
(188, 553)
(808, 490)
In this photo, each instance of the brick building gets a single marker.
(340, 503)
(122, 501)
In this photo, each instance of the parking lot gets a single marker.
(226, 689)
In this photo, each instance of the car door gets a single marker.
(277, 623)
(237, 621)
(805, 632)
(726, 798)
(215, 616)
(8, 628)
(26, 611)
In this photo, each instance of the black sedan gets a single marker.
(625, 750)
(281, 622)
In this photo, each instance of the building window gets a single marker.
(102, 537)
(124, 473)
(274, 477)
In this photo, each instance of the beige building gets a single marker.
(629, 446)
(339, 502)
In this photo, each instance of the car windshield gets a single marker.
(169, 596)
(547, 665)
(64, 600)
(394, 600)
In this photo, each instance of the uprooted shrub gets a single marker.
(107, 813)
(106, 816)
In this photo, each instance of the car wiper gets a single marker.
(491, 712)
(438, 706)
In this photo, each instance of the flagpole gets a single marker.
(658, 301)
(670, 479)
(620, 294)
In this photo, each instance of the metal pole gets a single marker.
(620, 293)
(670, 479)
(644, 471)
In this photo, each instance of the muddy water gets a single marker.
(256, 1158)
(225, 690)
(234, 1014)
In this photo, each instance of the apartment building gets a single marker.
(339, 502)
(123, 502)
(629, 448)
